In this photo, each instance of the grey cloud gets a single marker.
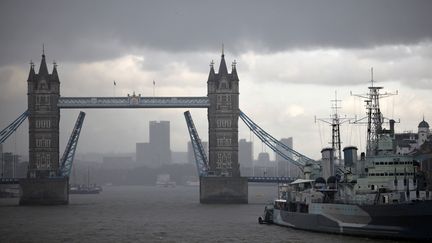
(92, 30)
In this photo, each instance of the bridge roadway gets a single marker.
(133, 101)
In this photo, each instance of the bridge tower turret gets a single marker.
(223, 115)
(43, 94)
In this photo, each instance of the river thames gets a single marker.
(150, 214)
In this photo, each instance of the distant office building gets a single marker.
(264, 166)
(264, 159)
(143, 154)
(157, 151)
(9, 165)
(284, 167)
(245, 153)
(160, 142)
(190, 152)
(288, 142)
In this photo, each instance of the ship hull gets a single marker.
(407, 221)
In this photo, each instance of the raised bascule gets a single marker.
(220, 178)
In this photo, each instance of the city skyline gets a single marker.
(290, 60)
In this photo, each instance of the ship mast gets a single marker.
(375, 118)
(335, 121)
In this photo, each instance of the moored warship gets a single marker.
(380, 194)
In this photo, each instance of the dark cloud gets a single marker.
(99, 29)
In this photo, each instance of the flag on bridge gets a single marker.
(115, 83)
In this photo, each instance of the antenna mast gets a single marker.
(335, 121)
(375, 118)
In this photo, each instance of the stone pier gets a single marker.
(47, 191)
(223, 190)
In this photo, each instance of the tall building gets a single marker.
(223, 114)
(157, 151)
(264, 166)
(44, 117)
(284, 167)
(288, 142)
(9, 165)
(245, 156)
(143, 152)
(160, 142)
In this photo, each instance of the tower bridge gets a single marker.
(220, 180)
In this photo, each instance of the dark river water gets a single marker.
(150, 214)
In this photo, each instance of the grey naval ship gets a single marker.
(383, 193)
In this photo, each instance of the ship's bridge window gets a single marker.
(390, 163)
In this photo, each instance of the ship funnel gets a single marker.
(327, 162)
(350, 156)
(392, 126)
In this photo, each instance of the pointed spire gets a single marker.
(32, 72)
(212, 72)
(43, 69)
(222, 67)
(234, 71)
(54, 74)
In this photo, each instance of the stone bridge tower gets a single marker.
(43, 186)
(224, 183)
(223, 115)
(43, 94)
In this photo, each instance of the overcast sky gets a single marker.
(292, 56)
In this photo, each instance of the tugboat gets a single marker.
(381, 194)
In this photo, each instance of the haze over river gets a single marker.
(150, 214)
